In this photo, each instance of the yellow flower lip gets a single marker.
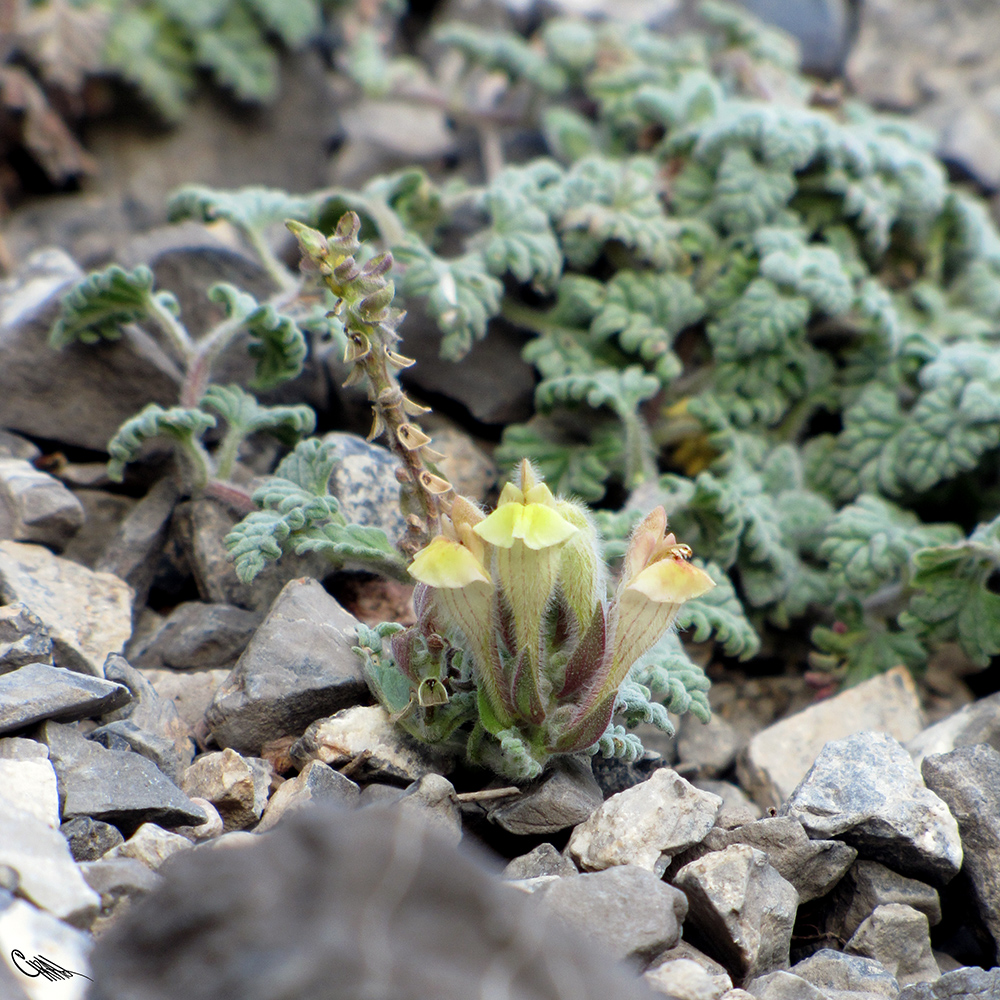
(536, 524)
(447, 564)
(672, 581)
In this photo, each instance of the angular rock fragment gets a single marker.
(686, 980)
(86, 614)
(151, 845)
(37, 691)
(837, 973)
(376, 750)
(628, 910)
(868, 885)
(967, 983)
(89, 839)
(24, 638)
(212, 827)
(564, 796)
(232, 784)
(66, 399)
(116, 786)
(645, 825)
(777, 758)
(36, 507)
(30, 785)
(968, 779)
(866, 791)
(199, 636)
(133, 552)
(814, 867)
(46, 872)
(784, 985)
(315, 783)
(434, 796)
(978, 722)
(898, 938)
(742, 908)
(118, 880)
(541, 860)
(298, 667)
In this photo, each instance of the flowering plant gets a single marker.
(518, 633)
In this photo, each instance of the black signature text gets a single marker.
(41, 966)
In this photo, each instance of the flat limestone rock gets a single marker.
(298, 667)
(778, 757)
(88, 615)
(37, 691)
(645, 825)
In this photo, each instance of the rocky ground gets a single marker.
(163, 728)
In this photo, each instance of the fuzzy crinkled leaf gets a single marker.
(954, 600)
(252, 209)
(277, 343)
(178, 423)
(99, 305)
(462, 294)
(673, 679)
(239, 56)
(869, 542)
(243, 413)
(719, 614)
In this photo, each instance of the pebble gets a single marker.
(151, 845)
(742, 908)
(778, 757)
(364, 480)
(24, 638)
(540, 861)
(898, 938)
(784, 985)
(316, 782)
(628, 910)
(866, 791)
(434, 797)
(298, 667)
(191, 691)
(565, 795)
(377, 750)
(212, 827)
(37, 691)
(683, 979)
(47, 874)
(968, 779)
(87, 614)
(706, 749)
(232, 784)
(645, 825)
(36, 507)
(90, 839)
